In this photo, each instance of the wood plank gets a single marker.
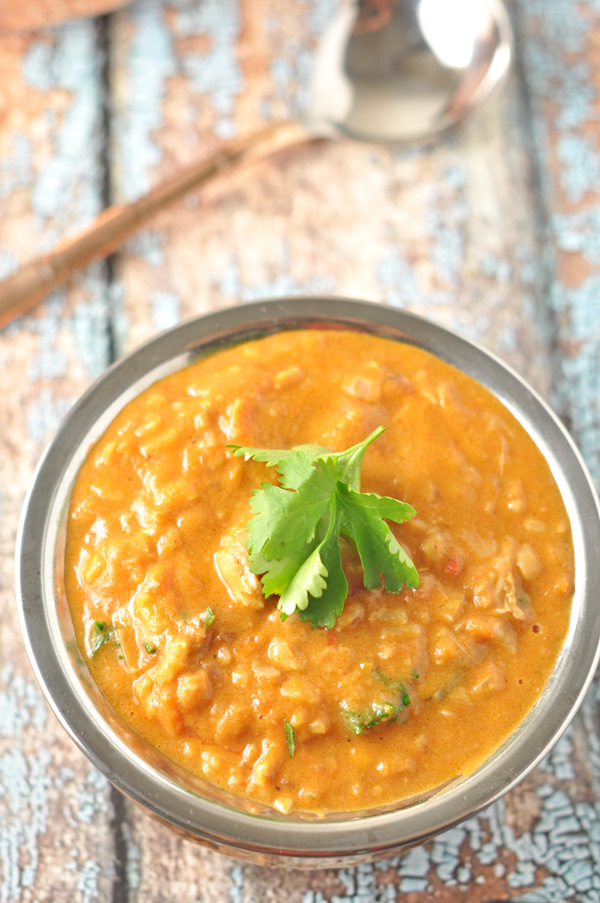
(56, 841)
(562, 69)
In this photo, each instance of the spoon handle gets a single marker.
(33, 281)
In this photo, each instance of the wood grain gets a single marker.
(494, 232)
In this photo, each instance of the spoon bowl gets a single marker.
(407, 70)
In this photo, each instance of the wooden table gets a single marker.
(494, 231)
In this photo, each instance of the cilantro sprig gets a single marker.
(101, 634)
(294, 535)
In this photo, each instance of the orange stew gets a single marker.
(178, 636)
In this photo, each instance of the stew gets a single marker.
(407, 690)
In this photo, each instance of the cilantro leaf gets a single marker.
(283, 515)
(378, 712)
(350, 461)
(274, 456)
(101, 634)
(290, 737)
(319, 581)
(207, 617)
(294, 534)
(380, 552)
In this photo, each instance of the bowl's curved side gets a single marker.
(193, 807)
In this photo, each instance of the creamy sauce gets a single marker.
(156, 536)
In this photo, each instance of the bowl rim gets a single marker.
(280, 838)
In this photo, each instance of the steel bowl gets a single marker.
(167, 791)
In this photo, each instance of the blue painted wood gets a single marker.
(561, 61)
(56, 841)
(494, 232)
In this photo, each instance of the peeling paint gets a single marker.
(555, 31)
(67, 189)
(87, 883)
(580, 171)
(38, 64)
(15, 171)
(65, 193)
(166, 310)
(134, 859)
(150, 245)
(397, 278)
(413, 871)
(282, 283)
(8, 263)
(151, 63)
(215, 73)
(579, 233)
(579, 388)
(237, 884)
(559, 761)
(23, 783)
(45, 413)
(88, 322)
(292, 62)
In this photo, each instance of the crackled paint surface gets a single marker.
(494, 231)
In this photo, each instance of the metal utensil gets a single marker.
(386, 71)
